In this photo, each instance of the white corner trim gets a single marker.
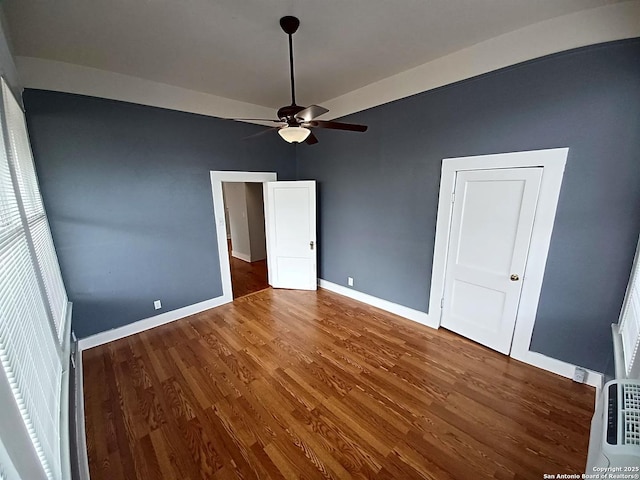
(558, 367)
(217, 177)
(65, 433)
(587, 27)
(618, 352)
(400, 310)
(241, 256)
(66, 336)
(70, 78)
(81, 429)
(149, 323)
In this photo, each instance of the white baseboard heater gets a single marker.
(615, 429)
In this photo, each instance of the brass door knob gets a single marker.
(514, 277)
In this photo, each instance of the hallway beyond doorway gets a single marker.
(247, 277)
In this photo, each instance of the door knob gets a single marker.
(311, 244)
(514, 277)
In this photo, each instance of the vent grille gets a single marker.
(632, 428)
(631, 413)
(631, 394)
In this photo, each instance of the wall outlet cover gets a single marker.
(157, 305)
(350, 281)
(579, 375)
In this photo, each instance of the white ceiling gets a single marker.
(235, 48)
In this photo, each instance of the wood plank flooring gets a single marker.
(247, 277)
(292, 384)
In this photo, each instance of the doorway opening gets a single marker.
(246, 241)
(225, 248)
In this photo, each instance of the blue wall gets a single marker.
(127, 191)
(128, 195)
(379, 190)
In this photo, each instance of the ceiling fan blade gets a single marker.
(255, 120)
(338, 125)
(310, 113)
(311, 139)
(261, 133)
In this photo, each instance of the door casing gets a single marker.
(217, 178)
(553, 162)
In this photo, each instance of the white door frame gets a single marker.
(553, 162)
(217, 177)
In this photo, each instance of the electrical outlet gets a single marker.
(350, 281)
(579, 375)
(157, 305)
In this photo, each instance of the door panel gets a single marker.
(291, 234)
(477, 304)
(491, 228)
(489, 224)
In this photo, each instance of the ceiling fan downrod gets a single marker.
(294, 123)
(290, 26)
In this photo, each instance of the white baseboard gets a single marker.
(559, 367)
(151, 322)
(406, 312)
(241, 256)
(535, 359)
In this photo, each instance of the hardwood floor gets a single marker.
(293, 384)
(247, 277)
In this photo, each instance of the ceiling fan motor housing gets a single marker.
(289, 112)
(295, 121)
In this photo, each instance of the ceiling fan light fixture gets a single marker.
(294, 134)
(295, 121)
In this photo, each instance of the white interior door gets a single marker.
(491, 226)
(291, 234)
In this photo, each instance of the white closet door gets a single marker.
(491, 228)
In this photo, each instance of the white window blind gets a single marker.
(629, 325)
(30, 349)
(21, 158)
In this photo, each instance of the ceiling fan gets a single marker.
(295, 122)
